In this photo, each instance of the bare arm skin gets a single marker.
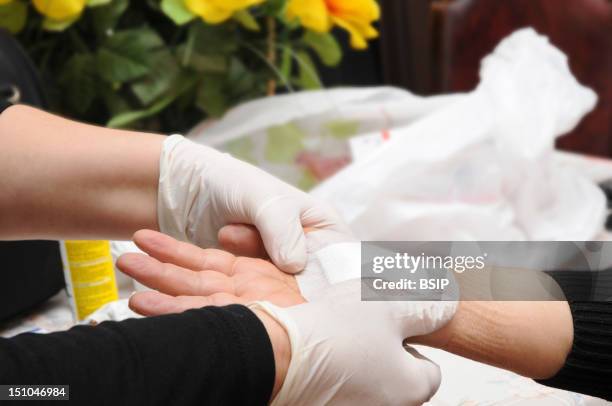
(532, 339)
(63, 179)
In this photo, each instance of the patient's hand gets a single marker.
(189, 277)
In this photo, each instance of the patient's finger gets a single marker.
(242, 240)
(167, 249)
(172, 279)
(155, 303)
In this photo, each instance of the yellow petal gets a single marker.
(3, 2)
(235, 5)
(356, 16)
(217, 11)
(208, 11)
(364, 10)
(313, 14)
(59, 9)
(364, 28)
(359, 36)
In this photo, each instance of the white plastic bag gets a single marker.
(303, 137)
(473, 166)
(481, 167)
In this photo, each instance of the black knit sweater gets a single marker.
(588, 367)
(208, 356)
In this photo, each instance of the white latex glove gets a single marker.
(348, 352)
(201, 190)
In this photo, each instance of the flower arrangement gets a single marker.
(164, 64)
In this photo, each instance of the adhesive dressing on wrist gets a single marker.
(332, 264)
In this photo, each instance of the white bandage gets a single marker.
(333, 256)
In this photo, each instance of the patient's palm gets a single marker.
(186, 276)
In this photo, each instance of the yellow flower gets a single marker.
(217, 11)
(59, 10)
(355, 16)
(3, 2)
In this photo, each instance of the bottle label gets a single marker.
(91, 277)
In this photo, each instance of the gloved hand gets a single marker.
(201, 190)
(347, 352)
(334, 255)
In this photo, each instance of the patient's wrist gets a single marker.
(530, 338)
(281, 347)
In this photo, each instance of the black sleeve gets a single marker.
(208, 356)
(588, 367)
(4, 104)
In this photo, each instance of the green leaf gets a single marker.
(182, 84)
(309, 78)
(213, 39)
(246, 19)
(274, 7)
(78, 78)
(127, 55)
(164, 70)
(114, 101)
(116, 68)
(211, 96)
(134, 40)
(124, 119)
(202, 63)
(13, 16)
(286, 62)
(326, 47)
(241, 79)
(97, 3)
(176, 10)
(58, 25)
(105, 18)
(284, 143)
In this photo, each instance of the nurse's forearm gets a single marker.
(530, 338)
(63, 179)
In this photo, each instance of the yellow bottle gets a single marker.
(89, 274)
